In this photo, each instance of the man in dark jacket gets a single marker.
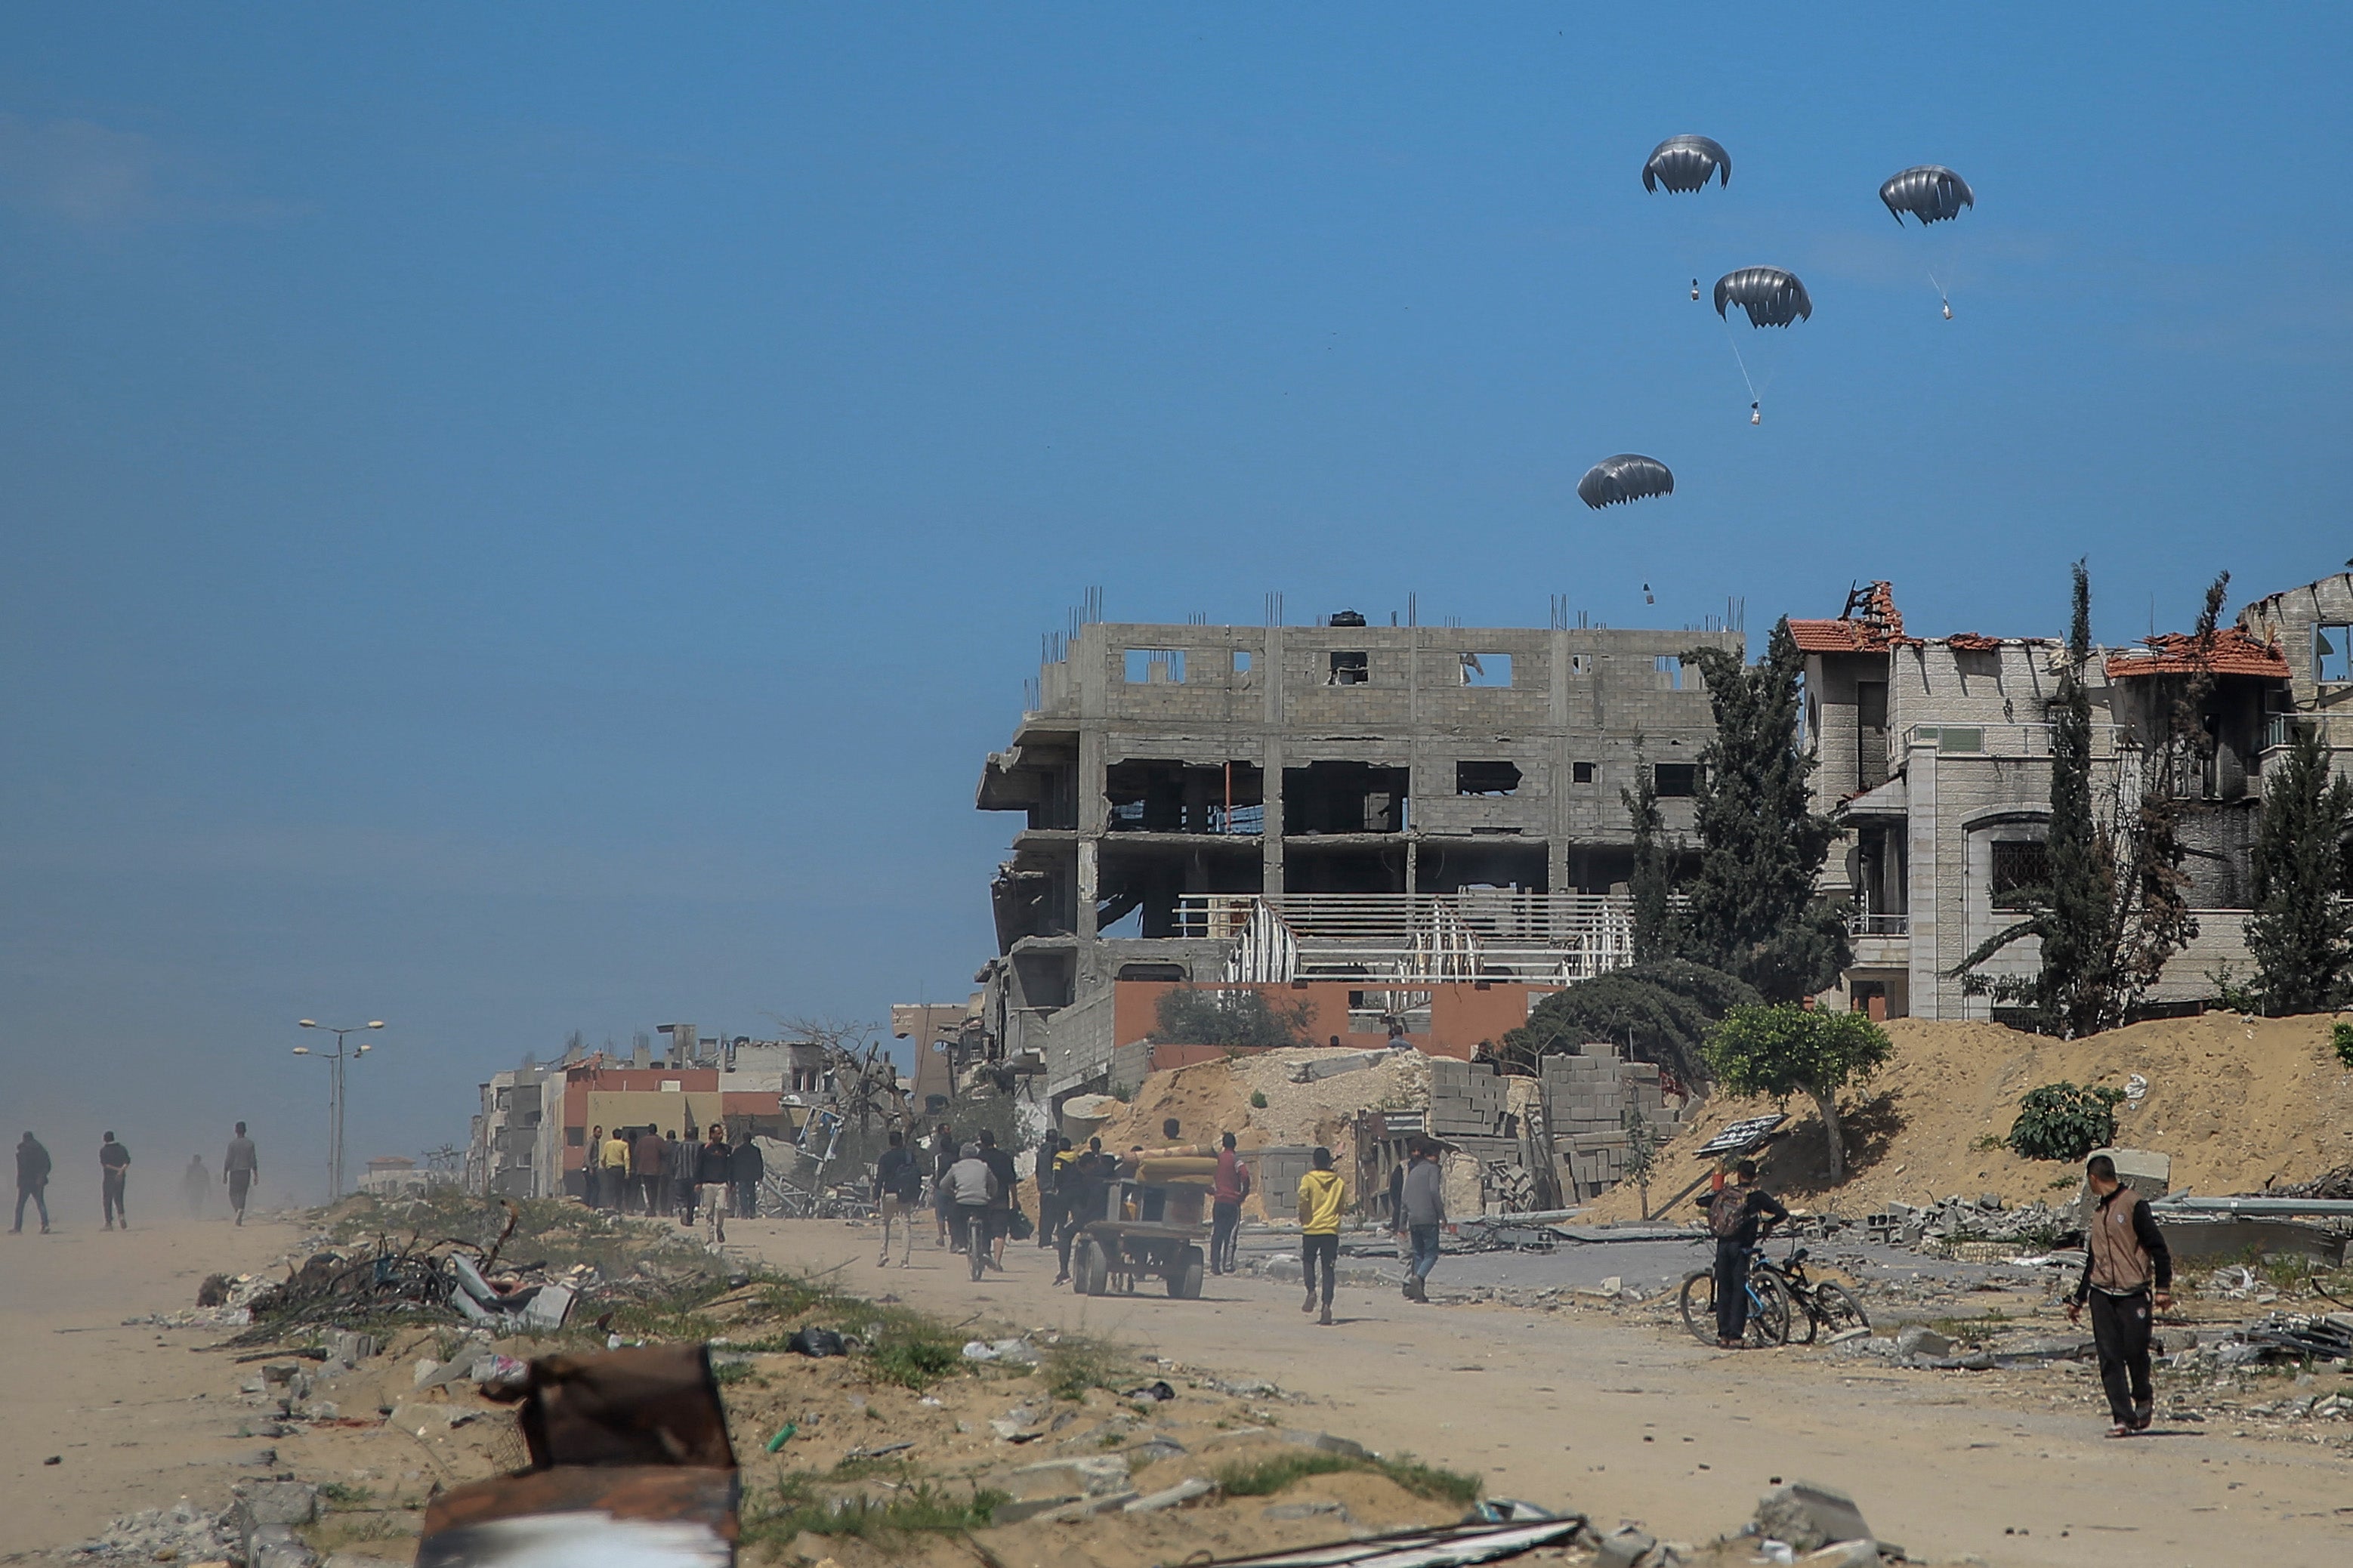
(649, 1167)
(898, 1184)
(1737, 1215)
(32, 1181)
(1047, 1182)
(1082, 1188)
(114, 1175)
(2126, 1256)
(714, 1172)
(679, 1160)
(1000, 1201)
(943, 1159)
(748, 1166)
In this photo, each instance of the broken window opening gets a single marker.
(1674, 781)
(1351, 669)
(1155, 666)
(1241, 661)
(2020, 867)
(1345, 797)
(1486, 668)
(1363, 871)
(1486, 778)
(1580, 773)
(1160, 972)
(1375, 1012)
(2332, 654)
(1580, 663)
(1153, 795)
(1671, 667)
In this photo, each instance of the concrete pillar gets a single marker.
(1927, 983)
(1270, 844)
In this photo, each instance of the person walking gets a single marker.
(240, 1166)
(943, 1159)
(1424, 1196)
(1049, 1179)
(746, 1166)
(649, 1157)
(1736, 1217)
(32, 1181)
(114, 1175)
(1082, 1187)
(1000, 1203)
(615, 1176)
(898, 1187)
(1322, 1196)
(714, 1172)
(680, 1157)
(972, 1188)
(592, 1169)
(195, 1187)
(2126, 1270)
(1227, 1188)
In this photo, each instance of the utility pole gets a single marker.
(335, 1094)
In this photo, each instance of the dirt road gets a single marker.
(1623, 1421)
(134, 1420)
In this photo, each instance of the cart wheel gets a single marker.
(1185, 1275)
(1091, 1277)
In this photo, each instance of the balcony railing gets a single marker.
(2007, 740)
(1413, 938)
(1878, 925)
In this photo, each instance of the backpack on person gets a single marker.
(1728, 1212)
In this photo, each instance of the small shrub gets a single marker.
(2059, 1121)
(1986, 1143)
(1075, 1365)
(797, 1504)
(1267, 1476)
(2341, 1034)
(912, 1358)
(343, 1494)
(1258, 1096)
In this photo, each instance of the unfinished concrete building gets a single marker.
(1934, 757)
(1386, 809)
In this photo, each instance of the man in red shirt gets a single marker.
(1227, 1190)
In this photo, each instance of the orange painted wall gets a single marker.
(1460, 1016)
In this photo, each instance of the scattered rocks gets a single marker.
(1808, 1516)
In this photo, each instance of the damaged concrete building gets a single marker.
(1417, 826)
(1934, 758)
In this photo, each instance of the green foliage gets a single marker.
(2233, 996)
(799, 1503)
(1751, 910)
(1652, 885)
(2341, 1034)
(1783, 1049)
(1186, 1016)
(2059, 1121)
(343, 1494)
(1265, 1478)
(1665, 1008)
(1072, 1366)
(1258, 1099)
(914, 1354)
(2301, 933)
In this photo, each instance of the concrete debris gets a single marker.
(1917, 1341)
(183, 1532)
(1316, 1509)
(1017, 1350)
(1183, 1492)
(1622, 1548)
(1808, 1516)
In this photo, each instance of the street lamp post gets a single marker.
(335, 1094)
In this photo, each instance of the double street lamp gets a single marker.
(335, 1093)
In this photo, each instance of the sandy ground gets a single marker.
(2237, 1102)
(134, 1420)
(1624, 1421)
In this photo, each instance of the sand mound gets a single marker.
(2238, 1102)
(1215, 1098)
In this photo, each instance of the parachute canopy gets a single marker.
(1626, 477)
(1931, 193)
(1686, 164)
(1771, 297)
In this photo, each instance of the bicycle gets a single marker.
(1823, 1304)
(1768, 1304)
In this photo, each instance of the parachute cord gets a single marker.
(1942, 298)
(1755, 397)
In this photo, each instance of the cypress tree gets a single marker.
(1654, 877)
(2301, 933)
(1751, 910)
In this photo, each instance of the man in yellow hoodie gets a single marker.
(1321, 1195)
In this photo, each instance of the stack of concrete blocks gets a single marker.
(1470, 1109)
(1589, 1093)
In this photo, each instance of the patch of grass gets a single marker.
(1265, 1478)
(799, 1503)
(1258, 1099)
(1074, 1365)
(1987, 1143)
(731, 1371)
(2061, 1184)
(343, 1494)
(914, 1354)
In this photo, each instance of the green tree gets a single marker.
(1783, 1049)
(2114, 909)
(2301, 933)
(1751, 909)
(1662, 1010)
(1190, 1017)
(1654, 879)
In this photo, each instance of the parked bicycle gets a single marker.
(1782, 1301)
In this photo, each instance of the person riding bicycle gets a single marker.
(1738, 1216)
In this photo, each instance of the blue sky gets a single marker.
(529, 520)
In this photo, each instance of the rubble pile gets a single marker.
(181, 1533)
(1958, 1219)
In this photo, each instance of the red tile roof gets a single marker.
(1869, 623)
(2230, 651)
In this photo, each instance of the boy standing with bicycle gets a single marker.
(1736, 1217)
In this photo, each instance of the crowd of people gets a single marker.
(35, 1168)
(656, 1173)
